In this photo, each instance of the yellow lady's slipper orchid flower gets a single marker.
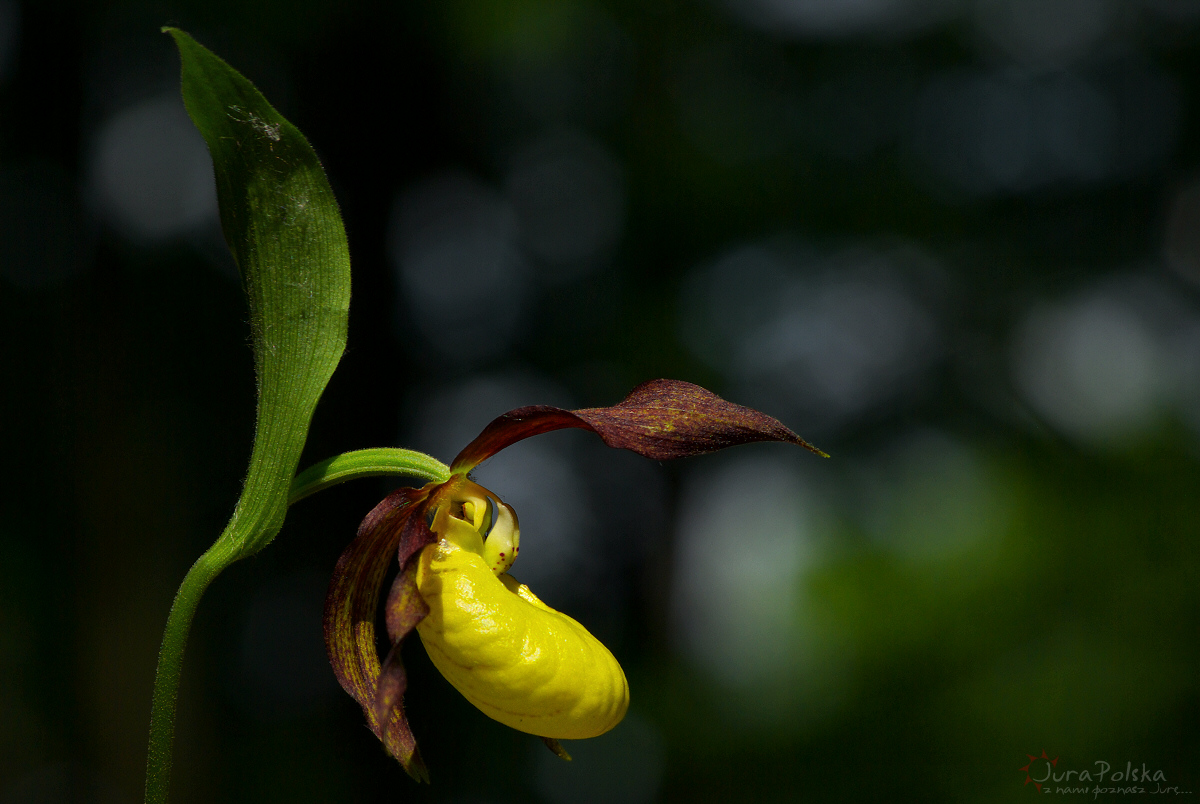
(512, 656)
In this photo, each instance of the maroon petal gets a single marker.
(351, 605)
(389, 708)
(405, 608)
(660, 419)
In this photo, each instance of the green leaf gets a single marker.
(283, 226)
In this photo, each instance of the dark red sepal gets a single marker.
(397, 523)
(660, 419)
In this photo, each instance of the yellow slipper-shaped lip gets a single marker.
(518, 660)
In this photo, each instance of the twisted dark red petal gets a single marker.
(396, 524)
(660, 419)
(404, 609)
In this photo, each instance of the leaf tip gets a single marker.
(180, 37)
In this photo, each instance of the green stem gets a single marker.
(366, 463)
(170, 664)
(338, 469)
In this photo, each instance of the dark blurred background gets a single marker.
(955, 243)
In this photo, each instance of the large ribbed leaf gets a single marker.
(283, 226)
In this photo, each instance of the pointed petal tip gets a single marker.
(556, 748)
(820, 453)
(415, 768)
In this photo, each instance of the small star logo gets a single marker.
(1033, 759)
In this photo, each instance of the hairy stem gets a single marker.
(170, 666)
(366, 463)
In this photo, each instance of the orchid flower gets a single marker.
(516, 659)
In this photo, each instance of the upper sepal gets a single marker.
(660, 419)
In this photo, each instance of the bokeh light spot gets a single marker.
(462, 282)
(151, 175)
(744, 537)
(568, 192)
(1094, 366)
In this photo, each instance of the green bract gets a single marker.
(283, 226)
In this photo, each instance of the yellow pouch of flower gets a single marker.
(519, 661)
